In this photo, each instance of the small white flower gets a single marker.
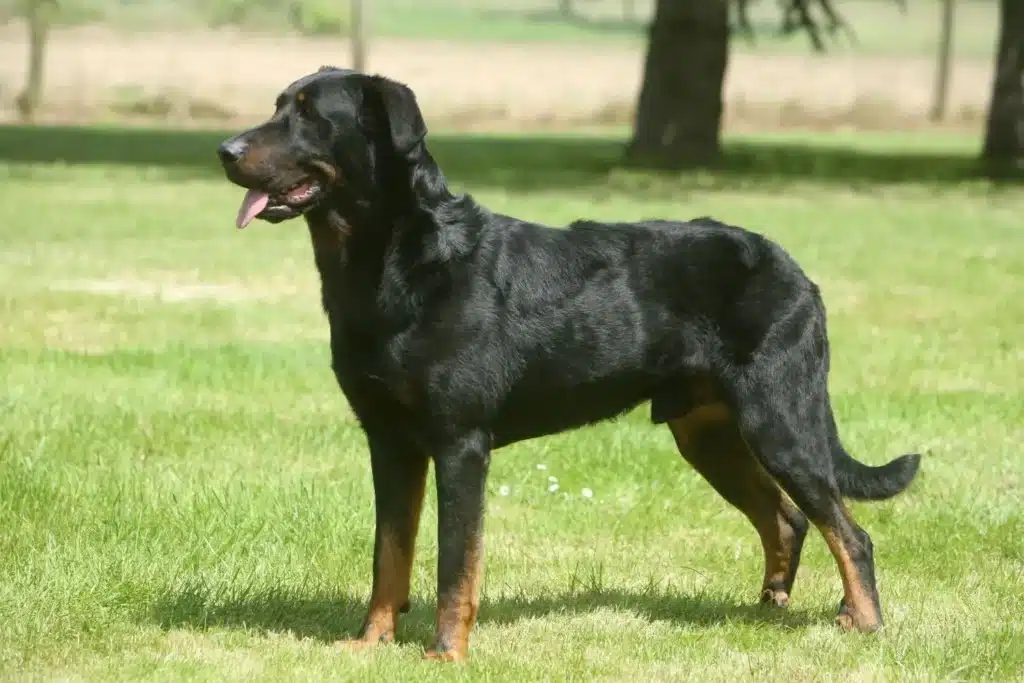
(552, 488)
(587, 493)
(504, 490)
(552, 480)
(541, 466)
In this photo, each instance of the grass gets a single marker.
(185, 495)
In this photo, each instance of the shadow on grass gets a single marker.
(329, 617)
(534, 162)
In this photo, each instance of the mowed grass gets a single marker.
(184, 494)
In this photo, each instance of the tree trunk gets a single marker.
(1004, 137)
(357, 11)
(943, 61)
(38, 16)
(679, 113)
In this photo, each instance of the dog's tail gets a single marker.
(857, 480)
(864, 482)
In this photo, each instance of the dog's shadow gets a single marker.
(329, 617)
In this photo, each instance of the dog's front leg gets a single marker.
(399, 475)
(461, 471)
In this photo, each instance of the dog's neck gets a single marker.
(370, 249)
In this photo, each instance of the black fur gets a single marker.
(456, 330)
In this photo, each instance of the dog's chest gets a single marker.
(384, 365)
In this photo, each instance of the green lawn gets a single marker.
(184, 494)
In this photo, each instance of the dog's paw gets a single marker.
(848, 620)
(774, 598)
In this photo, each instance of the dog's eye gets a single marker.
(302, 103)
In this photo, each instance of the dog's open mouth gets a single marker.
(279, 207)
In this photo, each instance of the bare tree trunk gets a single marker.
(565, 8)
(1004, 137)
(358, 12)
(940, 96)
(38, 15)
(679, 113)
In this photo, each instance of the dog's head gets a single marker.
(330, 128)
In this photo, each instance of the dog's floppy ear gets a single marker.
(405, 122)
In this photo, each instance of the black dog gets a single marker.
(455, 331)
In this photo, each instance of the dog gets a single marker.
(455, 331)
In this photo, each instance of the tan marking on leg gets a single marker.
(392, 580)
(457, 616)
(685, 428)
(778, 538)
(861, 613)
(391, 591)
(708, 439)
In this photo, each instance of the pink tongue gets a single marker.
(254, 202)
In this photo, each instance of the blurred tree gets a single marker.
(1003, 151)
(39, 15)
(679, 112)
(629, 10)
(940, 93)
(357, 13)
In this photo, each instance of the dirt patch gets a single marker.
(171, 291)
(90, 70)
(164, 291)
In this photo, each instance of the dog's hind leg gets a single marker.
(709, 439)
(783, 413)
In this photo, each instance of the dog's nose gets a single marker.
(231, 150)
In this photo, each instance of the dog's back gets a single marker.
(586, 322)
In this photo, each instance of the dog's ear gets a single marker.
(404, 120)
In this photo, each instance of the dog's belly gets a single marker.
(529, 414)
